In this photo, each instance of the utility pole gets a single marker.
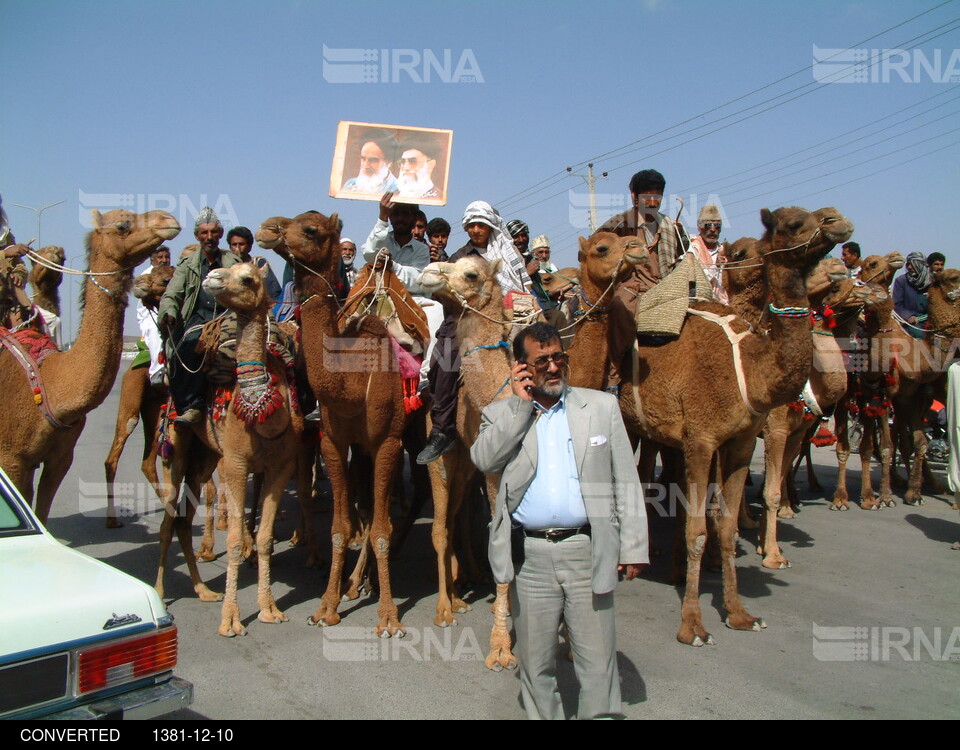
(39, 213)
(591, 186)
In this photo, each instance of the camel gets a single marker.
(354, 377)
(606, 260)
(259, 431)
(139, 400)
(922, 362)
(692, 393)
(787, 426)
(46, 281)
(869, 387)
(76, 381)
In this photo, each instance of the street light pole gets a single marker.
(39, 213)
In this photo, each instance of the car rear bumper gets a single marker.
(143, 703)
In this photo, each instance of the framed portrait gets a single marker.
(372, 158)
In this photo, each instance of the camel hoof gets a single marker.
(113, 523)
(272, 617)
(231, 628)
(204, 556)
(699, 642)
(206, 595)
(784, 513)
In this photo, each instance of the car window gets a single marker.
(12, 520)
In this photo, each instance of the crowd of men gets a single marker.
(553, 534)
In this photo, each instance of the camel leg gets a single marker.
(387, 462)
(184, 528)
(306, 529)
(886, 457)
(273, 485)
(841, 425)
(133, 388)
(334, 452)
(911, 413)
(359, 575)
(206, 553)
(776, 460)
(233, 480)
(868, 500)
(223, 507)
(792, 449)
(736, 465)
(698, 457)
(500, 655)
(55, 468)
(441, 535)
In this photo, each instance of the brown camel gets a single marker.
(693, 393)
(76, 381)
(354, 376)
(259, 431)
(46, 281)
(139, 401)
(922, 362)
(786, 426)
(606, 261)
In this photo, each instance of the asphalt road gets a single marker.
(879, 582)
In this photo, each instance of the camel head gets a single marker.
(40, 274)
(239, 288)
(824, 277)
(150, 286)
(743, 266)
(948, 283)
(879, 269)
(470, 280)
(561, 282)
(126, 238)
(311, 239)
(800, 237)
(606, 258)
(848, 294)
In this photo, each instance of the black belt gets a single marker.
(557, 535)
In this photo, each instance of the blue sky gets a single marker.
(173, 101)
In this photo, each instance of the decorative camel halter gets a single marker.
(30, 362)
(381, 293)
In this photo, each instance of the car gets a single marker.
(79, 639)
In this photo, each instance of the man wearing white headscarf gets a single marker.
(490, 240)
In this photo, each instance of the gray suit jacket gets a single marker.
(612, 494)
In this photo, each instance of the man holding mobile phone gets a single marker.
(569, 488)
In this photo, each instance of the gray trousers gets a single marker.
(555, 580)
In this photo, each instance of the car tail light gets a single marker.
(127, 660)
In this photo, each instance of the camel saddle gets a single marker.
(663, 309)
(218, 344)
(381, 293)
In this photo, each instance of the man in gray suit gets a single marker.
(569, 491)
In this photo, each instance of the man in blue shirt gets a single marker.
(569, 491)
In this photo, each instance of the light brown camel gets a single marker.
(692, 393)
(140, 402)
(259, 431)
(469, 290)
(786, 426)
(868, 390)
(46, 281)
(354, 377)
(78, 380)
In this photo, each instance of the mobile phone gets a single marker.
(529, 376)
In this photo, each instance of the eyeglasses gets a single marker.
(711, 225)
(560, 359)
(413, 161)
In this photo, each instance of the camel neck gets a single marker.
(81, 378)
(251, 337)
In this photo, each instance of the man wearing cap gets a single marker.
(666, 239)
(183, 310)
(540, 247)
(490, 239)
(706, 248)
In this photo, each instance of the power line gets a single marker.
(561, 175)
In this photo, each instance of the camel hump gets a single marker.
(378, 293)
